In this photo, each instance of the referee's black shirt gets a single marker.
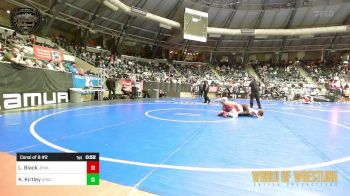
(254, 87)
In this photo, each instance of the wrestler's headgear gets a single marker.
(260, 113)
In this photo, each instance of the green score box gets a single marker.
(92, 179)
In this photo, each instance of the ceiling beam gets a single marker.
(54, 12)
(289, 24)
(77, 22)
(93, 17)
(91, 23)
(128, 21)
(332, 43)
(256, 25)
(108, 19)
(227, 23)
(160, 30)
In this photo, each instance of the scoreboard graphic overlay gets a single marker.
(57, 169)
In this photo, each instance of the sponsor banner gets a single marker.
(127, 84)
(171, 89)
(26, 87)
(46, 54)
(295, 178)
(20, 100)
(28, 80)
(86, 81)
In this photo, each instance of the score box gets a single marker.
(93, 170)
(57, 169)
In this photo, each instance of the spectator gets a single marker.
(14, 39)
(2, 51)
(73, 69)
(126, 91)
(60, 67)
(81, 72)
(14, 57)
(346, 92)
(32, 39)
(336, 87)
(51, 65)
(162, 94)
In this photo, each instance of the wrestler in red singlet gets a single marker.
(229, 107)
(308, 99)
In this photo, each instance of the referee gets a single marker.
(110, 83)
(205, 92)
(254, 93)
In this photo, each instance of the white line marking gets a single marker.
(73, 135)
(187, 121)
(187, 114)
(23, 148)
(95, 130)
(167, 158)
(319, 119)
(86, 114)
(324, 110)
(201, 103)
(188, 168)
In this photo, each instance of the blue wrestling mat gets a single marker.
(181, 147)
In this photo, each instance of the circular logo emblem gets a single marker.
(25, 20)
